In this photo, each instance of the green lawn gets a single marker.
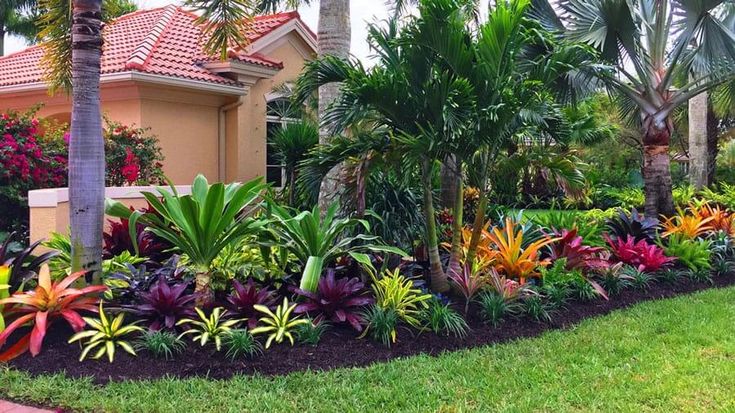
(670, 355)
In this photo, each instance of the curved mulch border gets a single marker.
(338, 348)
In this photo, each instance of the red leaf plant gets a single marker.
(641, 255)
(44, 305)
(569, 245)
(242, 301)
(335, 300)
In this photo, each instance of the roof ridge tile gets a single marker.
(143, 52)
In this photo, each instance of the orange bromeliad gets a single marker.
(485, 253)
(721, 220)
(40, 307)
(512, 259)
(688, 226)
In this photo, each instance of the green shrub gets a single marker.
(381, 324)
(311, 333)
(537, 308)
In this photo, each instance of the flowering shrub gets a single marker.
(24, 165)
(133, 157)
(34, 154)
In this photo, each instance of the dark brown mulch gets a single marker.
(338, 348)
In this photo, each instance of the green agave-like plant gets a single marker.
(278, 324)
(317, 240)
(106, 334)
(199, 225)
(211, 327)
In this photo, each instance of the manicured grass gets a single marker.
(669, 355)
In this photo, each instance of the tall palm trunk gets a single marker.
(656, 167)
(713, 135)
(333, 40)
(86, 148)
(477, 227)
(2, 41)
(439, 281)
(455, 256)
(449, 179)
(698, 151)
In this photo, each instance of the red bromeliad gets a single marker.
(641, 255)
(44, 305)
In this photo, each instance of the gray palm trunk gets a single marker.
(334, 39)
(86, 148)
(657, 167)
(2, 41)
(698, 134)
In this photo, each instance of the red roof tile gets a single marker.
(164, 41)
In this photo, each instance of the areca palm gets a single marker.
(651, 44)
(440, 92)
(424, 108)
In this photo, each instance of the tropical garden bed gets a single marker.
(663, 355)
(337, 348)
(241, 279)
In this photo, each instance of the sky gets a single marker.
(362, 12)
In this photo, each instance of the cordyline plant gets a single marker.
(338, 301)
(317, 241)
(199, 225)
(39, 308)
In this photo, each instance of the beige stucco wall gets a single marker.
(246, 126)
(49, 208)
(120, 102)
(187, 126)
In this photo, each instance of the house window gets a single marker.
(279, 114)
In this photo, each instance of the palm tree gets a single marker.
(291, 144)
(652, 44)
(333, 39)
(86, 148)
(73, 43)
(438, 92)
(14, 21)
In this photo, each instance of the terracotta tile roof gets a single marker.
(163, 41)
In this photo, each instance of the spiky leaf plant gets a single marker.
(105, 336)
(278, 324)
(208, 328)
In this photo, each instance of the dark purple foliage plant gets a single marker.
(244, 297)
(163, 305)
(336, 300)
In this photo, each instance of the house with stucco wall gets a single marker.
(211, 116)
